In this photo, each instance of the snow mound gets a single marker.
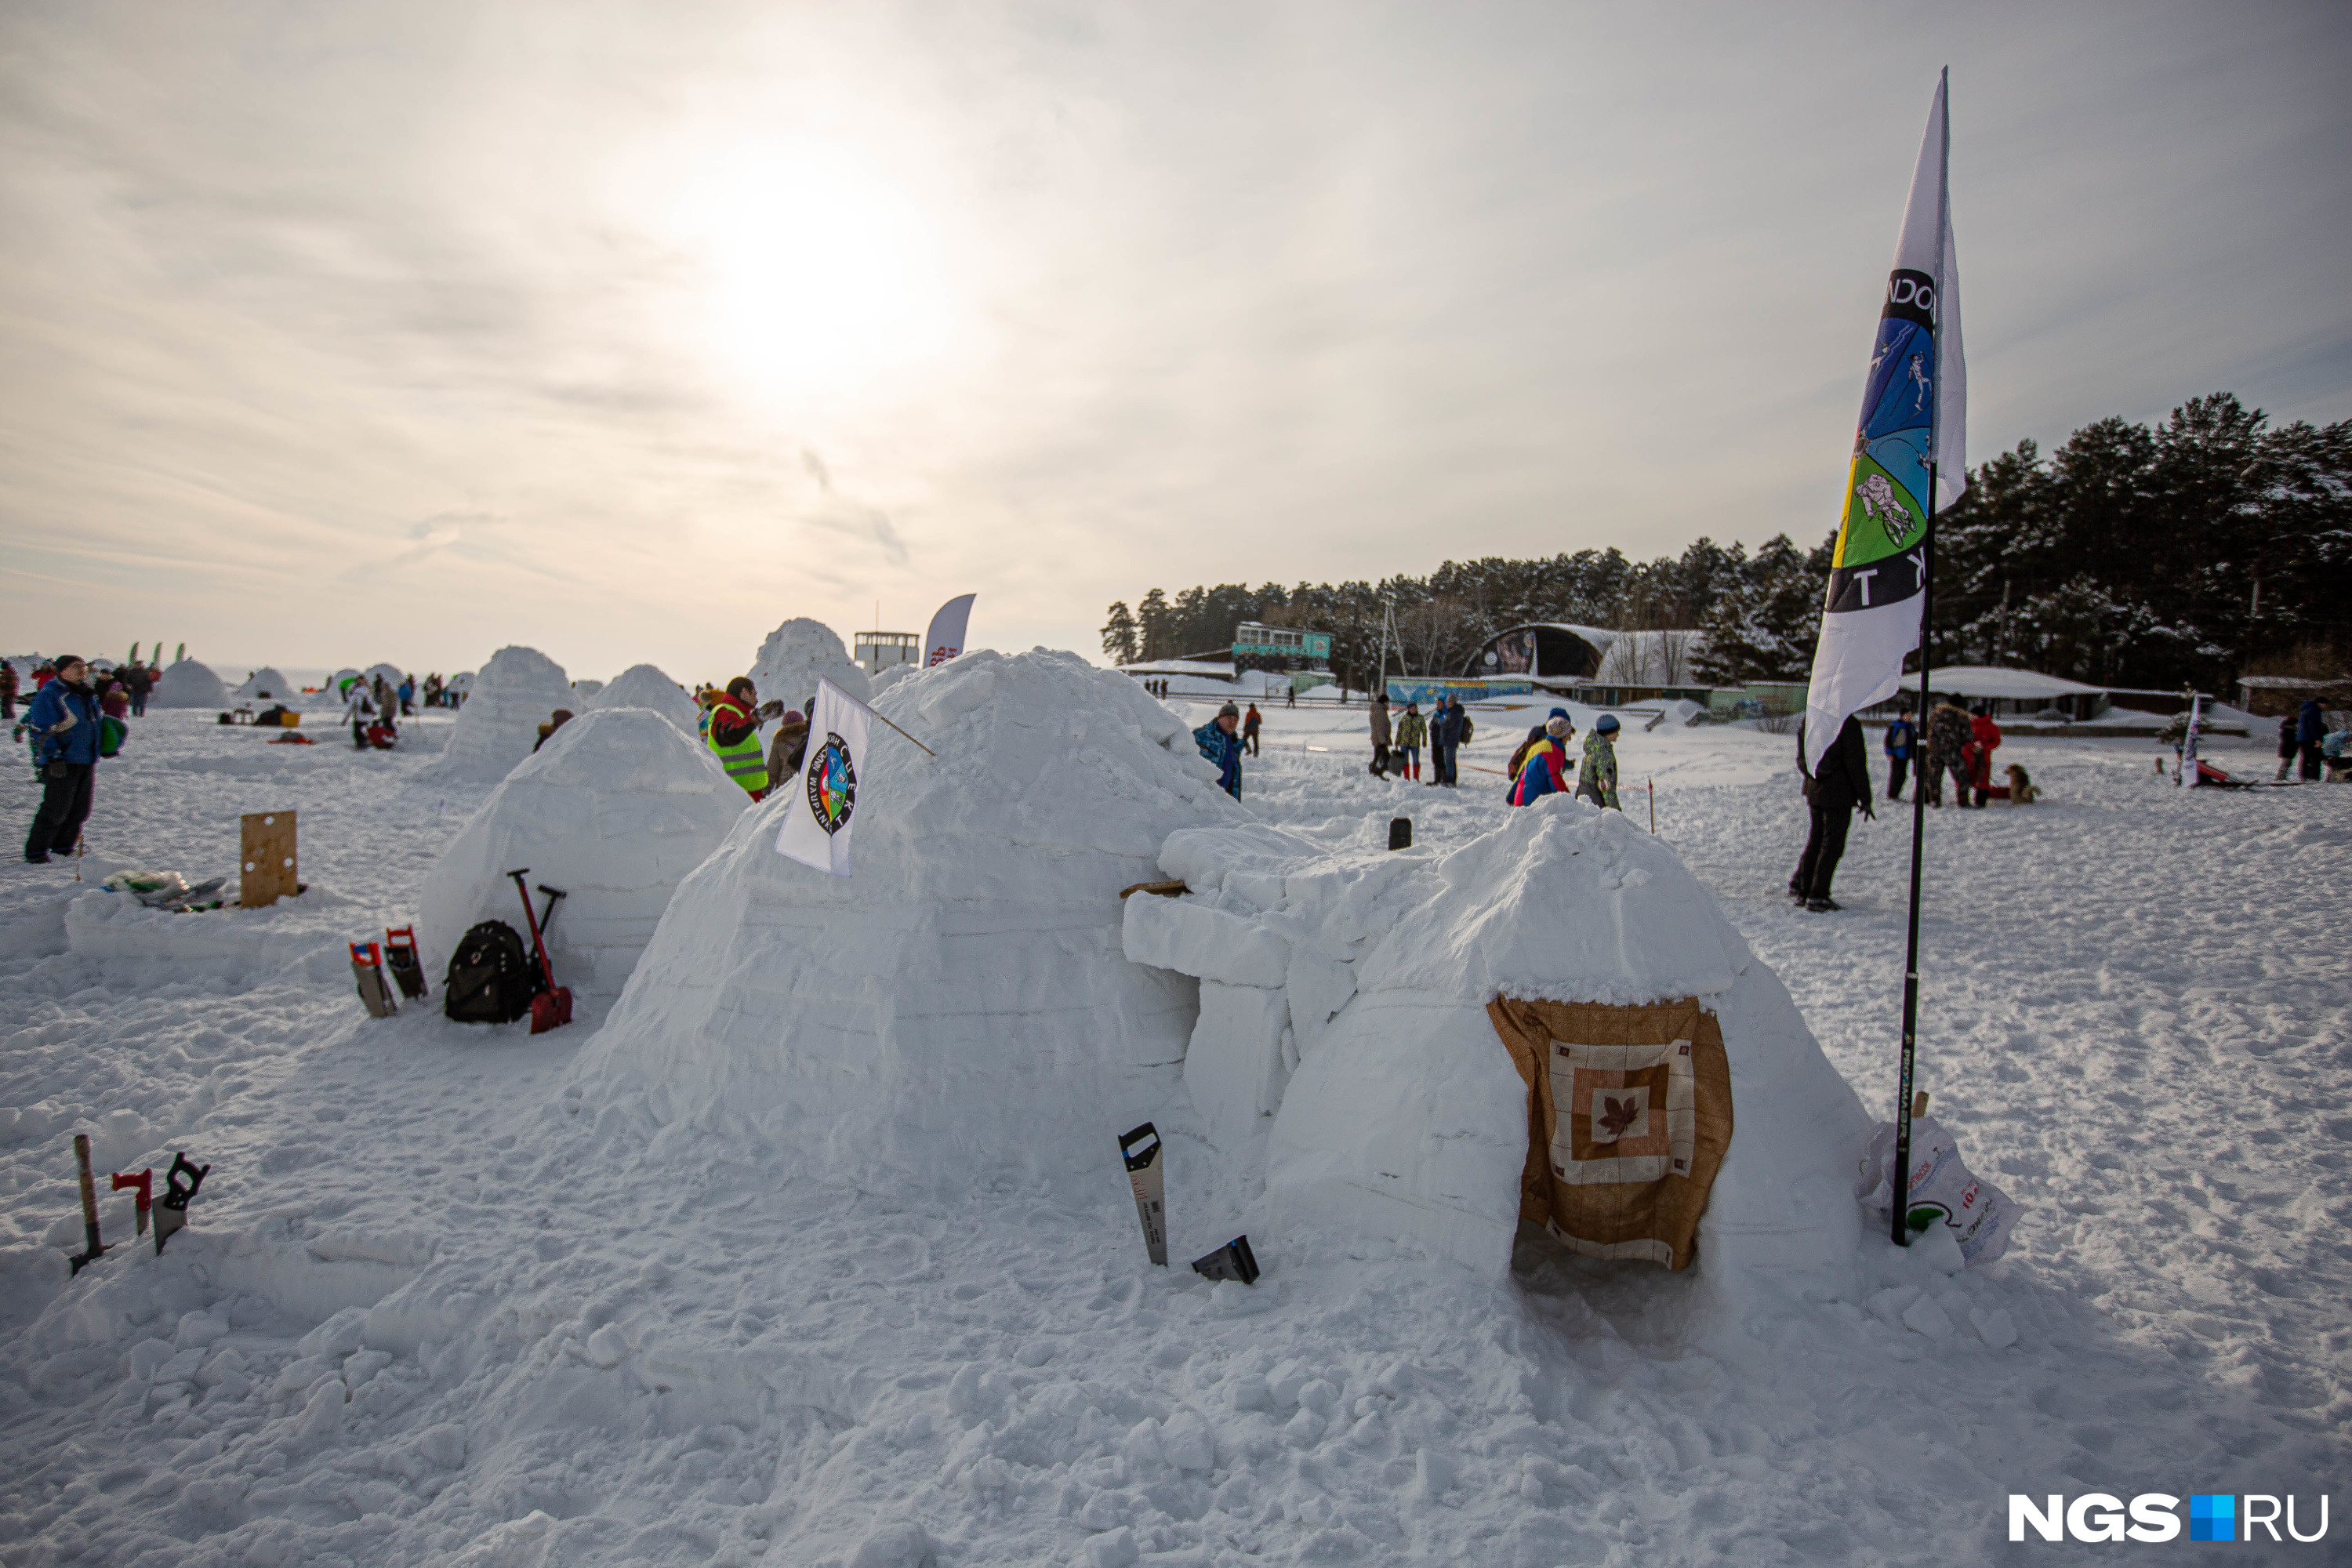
(892, 675)
(794, 655)
(266, 685)
(585, 690)
(644, 686)
(615, 809)
(960, 1004)
(391, 673)
(188, 684)
(1344, 1037)
(330, 697)
(496, 728)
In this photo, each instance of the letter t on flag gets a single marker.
(822, 804)
(1913, 434)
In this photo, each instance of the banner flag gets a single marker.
(823, 806)
(945, 639)
(1914, 423)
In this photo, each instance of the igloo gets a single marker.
(266, 685)
(188, 684)
(615, 809)
(508, 701)
(796, 654)
(330, 697)
(959, 1006)
(1348, 1044)
(644, 686)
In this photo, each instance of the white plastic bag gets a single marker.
(1980, 1214)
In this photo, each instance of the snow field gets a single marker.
(573, 1349)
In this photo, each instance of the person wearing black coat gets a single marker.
(1444, 735)
(2310, 729)
(1843, 783)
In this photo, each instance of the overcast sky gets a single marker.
(330, 334)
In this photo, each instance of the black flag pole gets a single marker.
(1902, 1225)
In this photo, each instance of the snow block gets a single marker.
(615, 809)
(509, 700)
(1233, 1066)
(188, 684)
(961, 1004)
(1194, 939)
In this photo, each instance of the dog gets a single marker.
(2021, 786)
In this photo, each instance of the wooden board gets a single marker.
(266, 859)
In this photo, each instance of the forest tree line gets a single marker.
(2204, 547)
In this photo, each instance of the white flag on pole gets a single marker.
(945, 639)
(1914, 423)
(822, 809)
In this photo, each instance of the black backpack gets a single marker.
(492, 978)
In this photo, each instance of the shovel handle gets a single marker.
(89, 1193)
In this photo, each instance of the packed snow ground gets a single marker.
(2134, 1020)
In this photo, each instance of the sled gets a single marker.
(552, 1008)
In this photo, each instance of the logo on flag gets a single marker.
(832, 785)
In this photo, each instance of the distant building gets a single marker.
(1259, 647)
(1594, 665)
(877, 651)
(1548, 651)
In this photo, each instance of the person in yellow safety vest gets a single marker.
(733, 731)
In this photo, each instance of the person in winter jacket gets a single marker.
(8, 689)
(1948, 738)
(1596, 781)
(63, 718)
(407, 693)
(359, 710)
(1902, 739)
(1411, 729)
(1544, 770)
(789, 747)
(1843, 783)
(113, 698)
(1444, 735)
(2310, 730)
(1250, 721)
(1221, 745)
(1381, 735)
(730, 727)
(555, 721)
(1984, 738)
(139, 681)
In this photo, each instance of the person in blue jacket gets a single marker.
(1902, 736)
(64, 721)
(1545, 768)
(1222, 746)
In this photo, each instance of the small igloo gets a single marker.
(1373, 1026)
(514, 694)
(644, 686)
(188, 684)
(330, 697)
(959, 1006)
(266, 685)
(793, 657)
(615, 809)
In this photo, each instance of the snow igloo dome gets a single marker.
(514, 694)
(615, 809)
(959, 1003)
(1358, 1014)
(644, 686)
(266, 685)
(796, 654)
(188, 684)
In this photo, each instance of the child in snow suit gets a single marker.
(1544, 769)
(1220, 745)
(1597, 780)
(1382, 733)
(64, 720)
(1948, 736)
(2288, 745)
(1984, 738)
(1411, 729)
(1902, 735)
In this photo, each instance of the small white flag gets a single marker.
(944, 641)
(824, 805)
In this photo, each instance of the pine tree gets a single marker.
(1152, 618)
(1118, 634)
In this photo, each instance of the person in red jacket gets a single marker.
(1984, 738)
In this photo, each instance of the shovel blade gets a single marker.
(551, 1010)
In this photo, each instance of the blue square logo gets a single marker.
(2213, 1516)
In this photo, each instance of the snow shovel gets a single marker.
(552, 1008)
(143, 1183)
(1234, 1260)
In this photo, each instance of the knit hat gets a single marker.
(1605, 725)
(1557, 727)
(1229, 712)
(58, 661)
